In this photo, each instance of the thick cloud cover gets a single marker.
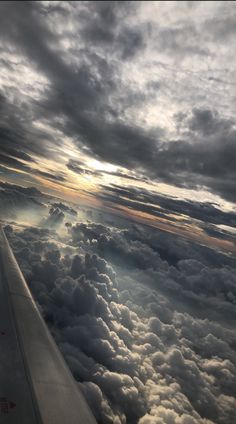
(144, 320)
(89, 61)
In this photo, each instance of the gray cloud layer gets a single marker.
(84, 87)
(148, 201)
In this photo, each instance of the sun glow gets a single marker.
(101, 166)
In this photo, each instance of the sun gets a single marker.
(101, 166)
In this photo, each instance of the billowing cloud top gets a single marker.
(145, 320)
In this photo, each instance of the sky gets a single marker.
(117, 194)
(121, 105)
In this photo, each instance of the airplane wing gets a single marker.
(36, 385)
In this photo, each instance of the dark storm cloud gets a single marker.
(23, 25)
(103, 27)
(115, 142)
(18, 137)
(73, 91)
(13, 132)
(208, 122)
(206, 162)
(19, 140)
(207, 159)
(81, 97)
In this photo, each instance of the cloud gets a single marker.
(14, 153)
(15, 199)
(84, 98)
(65, 208)
(51, 176)
(145, 319)
(55, 218)
(222, 29)
(27, 191)
(208, 122)
(171, 248)
(12, 162)
(103, 27)
(149, 201)
(134, 328)
(20, 139)
(79, 168)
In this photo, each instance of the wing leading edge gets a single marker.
(36, 385)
